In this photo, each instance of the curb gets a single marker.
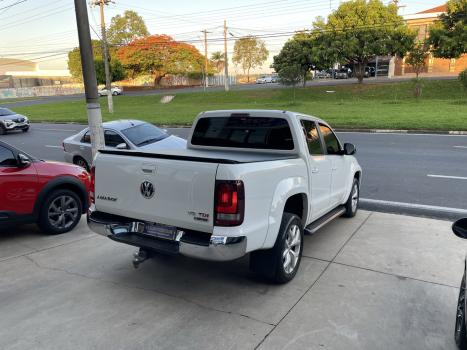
(403, 131)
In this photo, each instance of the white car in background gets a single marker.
(120, 134)
(265, 79)
(116, 90)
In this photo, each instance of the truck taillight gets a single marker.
(229, 205)
(92, 185)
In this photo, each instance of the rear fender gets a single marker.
(284, 190)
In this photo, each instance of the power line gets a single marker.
(16, 3)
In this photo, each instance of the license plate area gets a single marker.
(160, 231)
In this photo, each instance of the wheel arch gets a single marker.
(65, 183)
(290, 193)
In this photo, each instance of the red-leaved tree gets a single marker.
(160, 55)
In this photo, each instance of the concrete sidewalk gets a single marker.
(378, 281)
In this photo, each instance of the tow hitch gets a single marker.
(139, 257)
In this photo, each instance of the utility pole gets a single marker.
(226, 59)
(89, 76)
(105, 49)
(206, 83)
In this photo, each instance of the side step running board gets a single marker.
(316, 225)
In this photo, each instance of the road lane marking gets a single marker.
(460, 147)
(52, 146)
(448, 177)
(64, 130)
(414, 206)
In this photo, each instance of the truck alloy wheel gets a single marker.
(292, 248)
(351, 206)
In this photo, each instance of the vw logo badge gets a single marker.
(147, 189)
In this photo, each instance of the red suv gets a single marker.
(52, 194)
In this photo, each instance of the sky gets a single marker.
(45, 30)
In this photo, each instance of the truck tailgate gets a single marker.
(166, 191)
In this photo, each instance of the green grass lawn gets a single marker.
(443, 106)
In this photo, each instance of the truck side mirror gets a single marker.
(349, 149)
(460, 228)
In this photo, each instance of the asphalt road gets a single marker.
(403, 173)
(317, 82)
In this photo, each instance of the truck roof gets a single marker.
(255, 113)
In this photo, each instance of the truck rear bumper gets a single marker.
(128, 231)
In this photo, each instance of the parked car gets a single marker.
(369, 72)
(322, 74)
(460, 334)
(342, 74)
(116, 90)
(10, 121)
(121, 134)
(250, 181)
(265, 79)
(51, 194)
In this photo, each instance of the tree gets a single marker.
(463, 78)
(290, 75)
(295, 53)
(448, 36)
(218, 61)
(117, 72)
(417, 60)
(159, 55)
(74, 59)
(124, 29)
(74, 64)
(249, 52)
(360, 30)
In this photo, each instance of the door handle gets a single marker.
(334, 169)
(314, 170)
(148, 168)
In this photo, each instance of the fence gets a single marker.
(38, 91)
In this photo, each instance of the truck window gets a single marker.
(312, 137)
(330, 140)
(243, 132)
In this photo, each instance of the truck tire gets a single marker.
(351, 206)
(280, 263)
(460, 335)
(60, 212)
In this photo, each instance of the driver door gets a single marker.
(18, 185)
(340, 167)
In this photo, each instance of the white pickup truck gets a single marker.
(249, 181)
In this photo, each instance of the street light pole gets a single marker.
(108, 82)
(89, 77)
(226, 59)
(206, 81)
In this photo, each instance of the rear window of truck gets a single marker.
(243, 132)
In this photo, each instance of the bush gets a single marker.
(463, 78)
